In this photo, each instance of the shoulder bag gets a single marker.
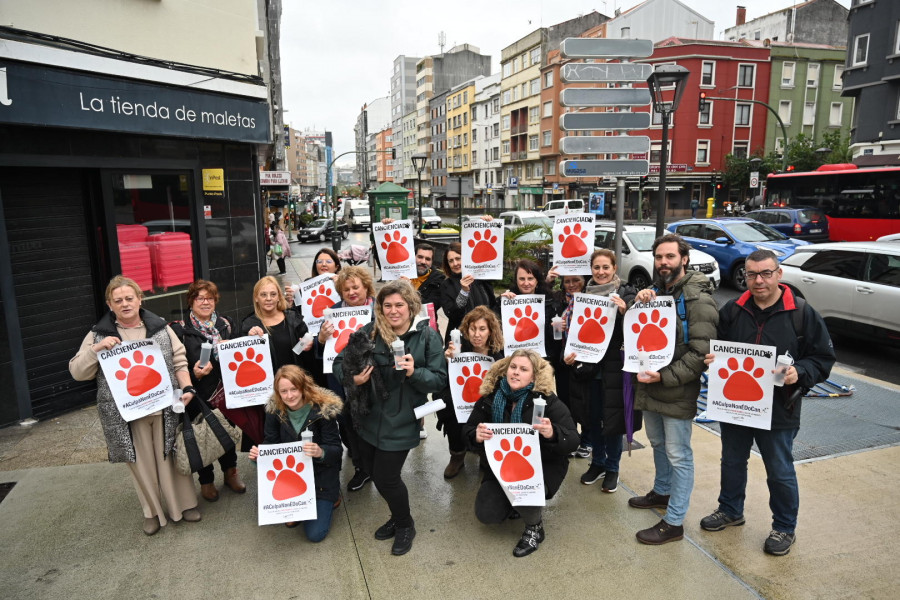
(201, 441)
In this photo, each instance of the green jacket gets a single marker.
(675, 395)
(391, 423)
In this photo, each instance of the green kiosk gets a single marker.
(389, 200)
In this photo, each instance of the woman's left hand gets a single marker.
(508, 294)
(257, 331)
(186, 397)
(408, 364)
(552, 275)
(620, 303)
(313, 450)
(545, 428)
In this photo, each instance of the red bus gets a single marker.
(861, 204)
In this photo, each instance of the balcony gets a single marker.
(518, 129)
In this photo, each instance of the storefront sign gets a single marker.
(274, 178)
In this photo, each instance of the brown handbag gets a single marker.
(200, 441)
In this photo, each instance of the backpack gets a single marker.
(796, 316)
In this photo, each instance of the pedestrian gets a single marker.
(695, 204)
(280, 242)
(769, 313)
(668, 397)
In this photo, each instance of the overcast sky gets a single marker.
(337, 55)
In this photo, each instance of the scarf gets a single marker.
(604, 289)
(567, 314)
(505, 394)
(418, 281)
(209, 331)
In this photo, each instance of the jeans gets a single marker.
(776, 447)
(674, 462)
(607, 449)
(317, 529)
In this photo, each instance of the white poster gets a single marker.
(741, 384)
(523, 323)
(394, 243)
(137, 377)
(573, 243)
(346, 321)
(317, 294)
(482, 248)
(466, 371)
(246, 371)
(650, 327)
(286, 484)
(514, 454)
(593, 321)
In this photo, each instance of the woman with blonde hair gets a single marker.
(297, 405)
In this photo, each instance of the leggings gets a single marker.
(385, 468)
(493, 507)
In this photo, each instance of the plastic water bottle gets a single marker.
(782, 364)
(539, 405)
(177, 404)
(456, 338)
(399, 349)
(205, 352)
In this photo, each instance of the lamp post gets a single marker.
(664, 76)
(418, 161)
(823, 153)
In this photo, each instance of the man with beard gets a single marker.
(428, 280)
(668, 397)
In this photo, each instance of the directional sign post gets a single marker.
(615, 121)
(604, 168)
(600, 72)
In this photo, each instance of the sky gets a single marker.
(337, 55)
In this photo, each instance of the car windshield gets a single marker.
(318, 223)
(359, 212)
(543, 221)
(754, 232)
(642, 240)
(428, 212)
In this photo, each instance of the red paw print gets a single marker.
(573, 241)
(342, 333)
(248, 372)
(483, 249)
(591, 331)
(472, 380)
(140, 378)
(524, 321)
(741, 385)
(515, 467)
(320, 299)
(652, 337)
(288, 483)
(396, 251)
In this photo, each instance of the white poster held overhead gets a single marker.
(317, 294)
(394, 243)
(741, 386)
(286, 484)
(514, 454)
(482, 248)
(593, 321)
(650, 327)
(523, 323)
(346, 321)
(137, 377)
(246, 370)
(573, 243)
(466, 371)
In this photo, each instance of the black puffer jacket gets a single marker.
(481, 294)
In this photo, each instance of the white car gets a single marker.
(855, 286)
(562, 207)
(514, 219)
(637, 255)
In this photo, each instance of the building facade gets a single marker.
(437, 158)
(489, 191)
(812, 22)
(403, 101)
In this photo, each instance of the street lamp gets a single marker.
(418, 161)
(664, 76)
(823, 153)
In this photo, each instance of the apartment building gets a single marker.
(812, 22)
(459, 132)
(384, 164)
(373, 118)
(437, 158)
(489, 191)
(403, 101)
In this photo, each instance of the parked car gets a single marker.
(514, 219)
(731, 239)
(855, 286)
(561, 207)
(637, 256)
(320, 231)
(355, 213)
(799, 222)
(891, 237)
(430, 218)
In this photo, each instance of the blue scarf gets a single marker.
(505, 394)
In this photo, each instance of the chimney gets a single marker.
(741, 16)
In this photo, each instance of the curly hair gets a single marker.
(355, 272)
(202, 285)
(409, 295)
(268, 280)
(495, 335)
(310, 393)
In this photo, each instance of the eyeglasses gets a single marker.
(767, 274)
(204, 300)
(324, 261)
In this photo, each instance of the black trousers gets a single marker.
(385, 467)
(282, 269)
(493, 507)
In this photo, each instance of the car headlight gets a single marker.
(777, 252)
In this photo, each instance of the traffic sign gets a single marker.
(589, 72)
(605, 48)
(754, 179)
(604, 121)
(621, 144)
(605, 97)
(604, 168)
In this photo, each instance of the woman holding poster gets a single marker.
(271, 316)
(145, 444)
(388, 368)
(529, 279)
(459, 294)
(299, 405)
(508, 394)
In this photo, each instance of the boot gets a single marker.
(209, 492)
(531, 537)
(233, 481)
(457, 462)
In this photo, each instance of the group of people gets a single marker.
(367, 404)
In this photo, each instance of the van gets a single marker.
(561, 207)
(356, 214)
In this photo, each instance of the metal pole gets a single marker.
(620, 217)
(663, 166)
(459, 199)
(419, 172)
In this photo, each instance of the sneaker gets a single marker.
(403, 540)
(583, 451)
(531, 537)
(386, 531)
(651, 500)
(610, 482)
(719, 521)
(359, 479)
(661, 533)
(593, 475)
(779, 543)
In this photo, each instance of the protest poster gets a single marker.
(741, 387)
(593, 321)
(514, 454)
(137, 377)
(523, 323)
(286, 484)
(482, 248)
(466, 371)
(394, 243)
(246, 370)
(573, 243)
(317, 294)
(650, 327)
(345, 320)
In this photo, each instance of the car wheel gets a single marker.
(322, 237)
(739, 277)
(345, 234)
(639, 279)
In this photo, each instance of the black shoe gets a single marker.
(386, 531)
(531, 537)
(719, 521)
(403, 540)
(359, 479)
(610, 482)
(593, 475)
(651, 500)
(661, 533)
(779, 543)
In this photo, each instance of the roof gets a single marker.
(888, 247)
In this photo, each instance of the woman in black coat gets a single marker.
(461, 294)
(529, 278)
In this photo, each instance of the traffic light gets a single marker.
(393, 154)
(790, 167)
(643, 182)
(702, 106)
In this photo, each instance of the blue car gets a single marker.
(799, 222)
(730, 240)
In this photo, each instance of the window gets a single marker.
(497, 129)
(548, 109)
(812, 75)
(507, 97)
(505, 120)
(860, 54)
(787, 74)
(538, 169)
(707, 73)
(706, 113)
(474, 135)
(742, 114)
(534, 114)
(838, 82)
(546, 138)
(625, 32)
(524, 90)
(465, 99)
(524, 60)
(535, 86)
(548, 79)
(507, 69)
(550, 167)
(756, 34)
(495, 105)
(465, 139)
(835, 116)
(495, 152)
(532, 142)
(784, 111)
(506, 147)
(702, 152)
(779, 146)
(536, 55)
(656, 118)
(809, 113)
(845, 264)
(487, 155)
(897, 39)
(746, 75)
(656, 151)
(516, 65)
(740, 149)
(465, 117)
(883, 269)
